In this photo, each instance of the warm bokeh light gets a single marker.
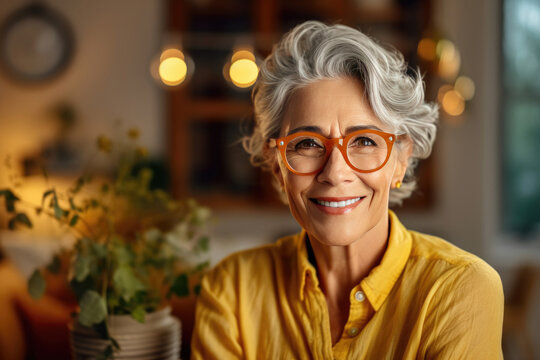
(444, 45)
(243, 73)
(442, 91)
(172, 52)
(453, 103)
(465, 86)
(242, 54)
(172, 71)
(449, 59)
(172, 67)
(243, 70)
(427, 49)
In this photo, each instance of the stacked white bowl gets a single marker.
(157, 338)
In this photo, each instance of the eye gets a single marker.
(307, 144)
(363, 141)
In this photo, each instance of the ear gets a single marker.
(275, 166)
(405, 150)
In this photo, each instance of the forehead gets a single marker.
(332, 105)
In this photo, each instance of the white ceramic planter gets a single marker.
(157, 338)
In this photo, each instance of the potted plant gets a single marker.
(135, 247)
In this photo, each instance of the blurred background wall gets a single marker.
(108, 82)
(107, 79)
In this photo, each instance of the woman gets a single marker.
(341, 125)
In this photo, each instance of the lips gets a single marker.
(337, 205)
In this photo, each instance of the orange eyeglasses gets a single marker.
(306, 153)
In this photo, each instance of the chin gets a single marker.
(334, 235)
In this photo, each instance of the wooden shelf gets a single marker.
(220, 8)
(345, 12)
(218, 109)
(391, 14)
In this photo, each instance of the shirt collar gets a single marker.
(380, 281)
(378, 284)
(306, 270)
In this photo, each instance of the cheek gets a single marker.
(380, 181)
(295, 187)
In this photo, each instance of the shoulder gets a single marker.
(461, 300)
(452, 265)
(432, 252)
(434, 249)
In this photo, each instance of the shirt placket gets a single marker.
(316, 319)
(360, 312)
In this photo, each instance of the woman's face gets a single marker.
(331, 107)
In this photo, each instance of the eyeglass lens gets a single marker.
(366, 151)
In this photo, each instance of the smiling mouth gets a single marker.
(337, 204)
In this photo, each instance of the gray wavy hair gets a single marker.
(313, 51)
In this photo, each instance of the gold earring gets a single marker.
(398, 184)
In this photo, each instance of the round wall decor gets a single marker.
(36, 44)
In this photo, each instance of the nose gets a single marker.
(336, 170)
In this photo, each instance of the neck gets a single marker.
(340, 268)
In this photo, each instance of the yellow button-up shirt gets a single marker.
(427, 299)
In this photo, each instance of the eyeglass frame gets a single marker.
(329, 144)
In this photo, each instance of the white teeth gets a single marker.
(337, 204)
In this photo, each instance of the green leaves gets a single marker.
(180, 286)
(73, 206)
(59, 213)
(126, 283)
(198, 215)
(89, 270)
(79, 183)
(90, 261)
(74, 220)
(107, 353)
(46, 194)
(10, 199)
(123, 255)
(36, 285)
(201, 266)
(19, 218)
(202, 244)
(96, 249)
(93, 308)
(139, 313)
(81, 268)
(136, 244)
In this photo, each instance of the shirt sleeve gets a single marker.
(216, 333)
(466, 316)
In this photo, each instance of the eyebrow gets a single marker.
(318, 130)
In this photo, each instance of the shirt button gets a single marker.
(359, 296)
(353, 331)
